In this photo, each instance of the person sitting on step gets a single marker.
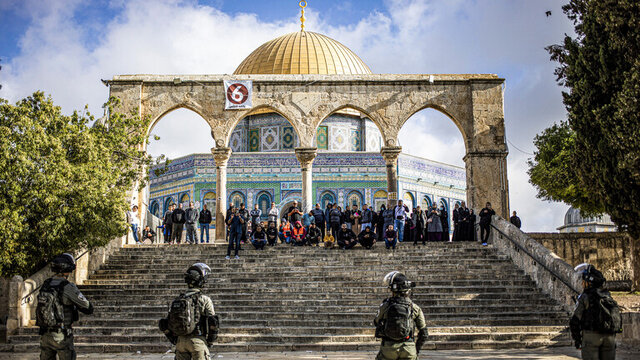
(272, 234)
(367, 238)
(314, 235)
(298, 234)
(346, 237)
(329, 241)
(259, 238)
(390, 237)
(285, 231)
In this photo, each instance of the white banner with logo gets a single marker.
(238, 94)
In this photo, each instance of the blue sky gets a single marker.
(64, 47)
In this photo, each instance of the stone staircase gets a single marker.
(289, 299)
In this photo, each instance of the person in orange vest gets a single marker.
(285, 231)
(298, 234)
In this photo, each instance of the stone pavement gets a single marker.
(561, 353)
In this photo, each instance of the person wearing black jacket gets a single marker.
(485, 222)
(463, 222)
(244, 214)
(327, 211)
(346, 237)
(294, 213)
(515, 220)
(380, 222)
(168, 224)
(367, 238)
(471, 232)
(314, 234)
(320, 218)
(205, 222)
(335, 217)
(444, 218)
(178, 218)
(272, 234)
(456, 222)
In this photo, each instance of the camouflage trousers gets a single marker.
(57, 343)
(397, 351)
(596, 346)
(192, 348)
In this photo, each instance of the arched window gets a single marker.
(264, 203)
(409, 200)
(236, 199)
(379, 198)
(209, 199)
(354, 198)
(155, 209)
(184, 200)
(426, 202)
(327, 198)
(168, 202)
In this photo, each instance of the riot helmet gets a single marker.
(592, 276)
(64, 263)
(196, 275)
(398, 282)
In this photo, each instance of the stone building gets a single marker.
(349, 168)
(575, 222)
(316, 102)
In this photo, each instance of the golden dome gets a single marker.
(302, 52)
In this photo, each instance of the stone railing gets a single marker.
(609, 252)
(22, 293)
(551, 274)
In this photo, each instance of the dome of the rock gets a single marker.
(303, 52)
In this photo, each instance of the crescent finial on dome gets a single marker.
(302, 4)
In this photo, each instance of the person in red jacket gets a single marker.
(298, 234)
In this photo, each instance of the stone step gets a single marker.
(235, 284)
(524, 320)
(306, 298)
(163, 347)
(368, 330)
(307, 338)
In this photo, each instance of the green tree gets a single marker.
(63, 179)
(600, 67)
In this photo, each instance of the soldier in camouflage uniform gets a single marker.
(58, 340)
(195, 346)
(398, 320)
(584, 324)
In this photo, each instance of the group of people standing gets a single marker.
(176, 219)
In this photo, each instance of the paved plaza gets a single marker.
(561, 353)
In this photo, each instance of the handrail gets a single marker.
(537, 260)
(27, 297)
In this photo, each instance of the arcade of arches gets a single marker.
(474, 102)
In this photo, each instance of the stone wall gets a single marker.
(4, 307)
(631, 329)
(608, 252)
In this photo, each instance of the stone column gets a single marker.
(487, 181)
(390, 154)
(221, 155)
(306, 157)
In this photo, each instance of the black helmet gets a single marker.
(196, 274)
(591, 275)
(397, 282)
(64, 263)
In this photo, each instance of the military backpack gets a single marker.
(608, 317)
(398, 324)
(50, 311)
(184, 315)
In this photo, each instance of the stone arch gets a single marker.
(160, 113)
(276, 108)
(327, 196)
(456, 121)
(374, 117)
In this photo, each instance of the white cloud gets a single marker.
(504, 37)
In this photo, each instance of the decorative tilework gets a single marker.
(355, 140)
(237, 143)
(339, 139)
(254, 140)
(269, 139)
(288, 137)
(322, 138)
